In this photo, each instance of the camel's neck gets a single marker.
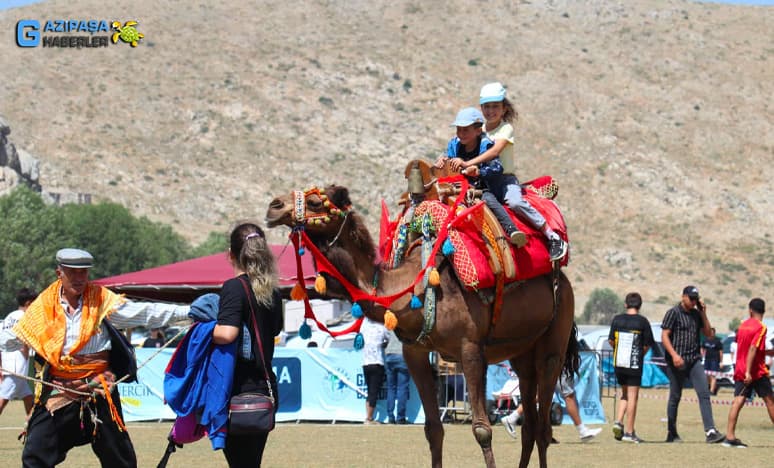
(352, 252)
(364, 267)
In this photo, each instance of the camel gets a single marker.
(536, 332)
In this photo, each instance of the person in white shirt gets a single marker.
(375, 339)
(14, 364)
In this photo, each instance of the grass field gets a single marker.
(355, 445)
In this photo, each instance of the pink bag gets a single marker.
(186, 430)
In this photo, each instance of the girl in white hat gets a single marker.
(499, 113)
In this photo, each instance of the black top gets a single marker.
(685, 327)
(153, 343)
(630, 334)
(234, 310)
(712, 349)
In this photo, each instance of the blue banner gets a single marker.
(587, 390)
(321, 384)
(144, 400)
(314, 384)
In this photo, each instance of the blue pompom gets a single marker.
(359, 342)
(415, 302)
(447, 248)
(305, 331)
(301, 251)
(357, 311)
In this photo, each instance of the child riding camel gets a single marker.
(476, 154)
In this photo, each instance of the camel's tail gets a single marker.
(572, 356)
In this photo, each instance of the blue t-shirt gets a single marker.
(490, 172)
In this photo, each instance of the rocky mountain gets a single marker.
(654, 116)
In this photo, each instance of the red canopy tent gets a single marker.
(185, 281)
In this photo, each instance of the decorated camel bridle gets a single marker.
(300, 240)
(302, 217)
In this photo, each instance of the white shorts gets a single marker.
(14, 388)
(566, 385)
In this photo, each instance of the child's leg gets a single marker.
(520, 206)
(515, 236)
(515, 201)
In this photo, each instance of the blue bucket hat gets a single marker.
(468, 116)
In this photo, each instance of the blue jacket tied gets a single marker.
(199, 379)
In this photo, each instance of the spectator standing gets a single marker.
(631, 337)
(375, 339)
(251, 294)
(15, 387)
(712, 352)
(680, 335)
(397, 380)
(750, 372)
(155, 339)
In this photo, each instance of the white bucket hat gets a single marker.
(492, 92)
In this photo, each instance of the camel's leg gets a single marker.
(474, 368)
(547, 370)
(418, 363)
(525, 369)
(548, 373)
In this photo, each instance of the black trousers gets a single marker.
(50, 437)
(245, 451)
(374, 377)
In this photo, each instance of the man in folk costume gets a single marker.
(72, 328)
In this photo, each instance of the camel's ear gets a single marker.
(339, 196)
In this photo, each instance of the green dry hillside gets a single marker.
(654, 115)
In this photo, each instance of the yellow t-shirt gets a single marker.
(505, 132)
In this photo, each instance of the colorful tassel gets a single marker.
(447, 248)
(416, 303)
(297, 293)
(390, 320)
(356, 311)
(435, 278)
(319, 285)
(359, 342)
(305, 331)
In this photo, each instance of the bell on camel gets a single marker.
(415, 184)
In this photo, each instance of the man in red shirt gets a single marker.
(750, 372)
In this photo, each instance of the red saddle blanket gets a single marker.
(471, 256)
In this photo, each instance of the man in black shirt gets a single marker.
(631, 337)
(680, 336)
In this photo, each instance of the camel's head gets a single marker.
(321, 212)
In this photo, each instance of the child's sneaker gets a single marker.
(618, 431)
(518, 239)
(557, 249)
